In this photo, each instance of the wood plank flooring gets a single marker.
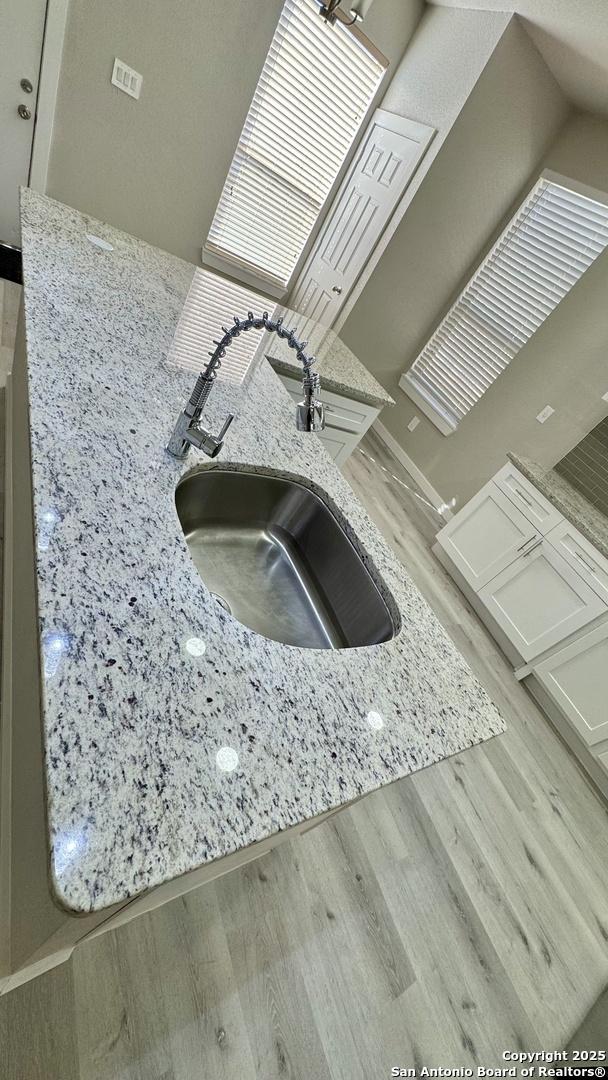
(10, 298)
(451, 916)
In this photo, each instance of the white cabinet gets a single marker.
(542, 588)
(576, 677)
(533, 572)
(486, 536)
(539, 600)
(346, 419)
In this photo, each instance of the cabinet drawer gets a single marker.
(340, 412)
(585, 559)
(576, 677)
(538, 510)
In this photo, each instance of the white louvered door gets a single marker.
(554, 237)
(387, 159)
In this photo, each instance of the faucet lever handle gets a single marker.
(225, 426)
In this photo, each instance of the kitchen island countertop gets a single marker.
(146, 677)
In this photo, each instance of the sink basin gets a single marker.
(275, 556)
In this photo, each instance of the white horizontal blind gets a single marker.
(314, 91)
(211, 303)
(554, 237)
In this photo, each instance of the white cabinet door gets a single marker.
(339, 444)
(387, 159)
(485, 536)
(577, 678)
(539, 600)
(538, 510)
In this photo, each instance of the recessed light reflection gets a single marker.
(375, 720)
(227, 758)
(55, 645)
(99, 242)
(68, 847)
(195, 646)
(48, 520)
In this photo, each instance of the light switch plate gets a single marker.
(126, 78)
(544, 414)
(605, 396)
(413, 424)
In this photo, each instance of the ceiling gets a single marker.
(571, 35)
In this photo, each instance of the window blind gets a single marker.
(314, 91)
(553, 238)
(211, 302)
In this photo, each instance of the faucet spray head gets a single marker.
(310, 412)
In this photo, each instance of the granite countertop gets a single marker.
(338, 367)
(133, 717)
(590, 521)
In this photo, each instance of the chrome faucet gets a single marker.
(310, 414)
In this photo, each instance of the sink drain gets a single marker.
(222, 602)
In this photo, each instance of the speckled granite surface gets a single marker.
(575, 507)
(132, 720)
(338, 367)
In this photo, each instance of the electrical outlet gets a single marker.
(544, 414)
(126, 79)
(413, 424)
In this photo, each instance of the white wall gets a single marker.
(156, 167)
(494, 150)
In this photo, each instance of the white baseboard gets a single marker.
(34, 971)
(423, 483)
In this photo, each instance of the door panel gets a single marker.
(315, 301)
(577, 678)
(387, 159)
(486, 536)
(539, 600)
(21, 33)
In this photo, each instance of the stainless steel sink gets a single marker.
(275, 556)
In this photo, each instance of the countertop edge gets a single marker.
(282, 367)
(549, 485)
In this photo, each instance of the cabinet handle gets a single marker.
(533, 548)
(526, 542)
(589, 566)
(339, 416)
(527, 501)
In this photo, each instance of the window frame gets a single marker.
(431, 407)
(242, 271)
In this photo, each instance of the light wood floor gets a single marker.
(454, 915)
(10, 297)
